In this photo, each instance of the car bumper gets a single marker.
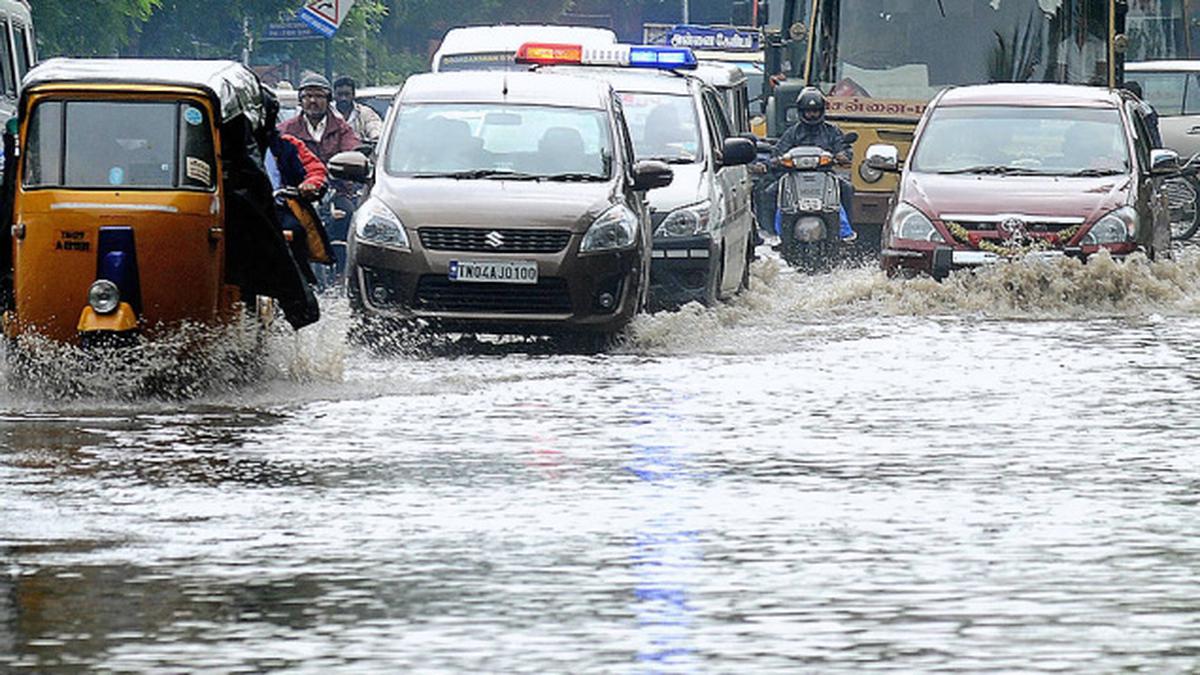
(940, 261)
(681, 270)
(596, 292)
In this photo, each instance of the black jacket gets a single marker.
(823, 135)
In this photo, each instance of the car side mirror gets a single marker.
(883, 157)
(1164, 162)
(738, 151)
(351, 165)
(649, 174)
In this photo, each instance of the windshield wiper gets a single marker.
(577, 177)
(996, 169)
(1095, 173)
(480, 173)
(673, 160)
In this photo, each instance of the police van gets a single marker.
(16, 52)
(703, 223)
(494, 47)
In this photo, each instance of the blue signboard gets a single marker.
(711, 39)
(294, 29)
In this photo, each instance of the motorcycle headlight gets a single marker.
(909, 223)
(1116, 227)
(104, 296)
(615, 229)
(688, 221)
(375, 223)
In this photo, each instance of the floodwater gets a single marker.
(836, 473)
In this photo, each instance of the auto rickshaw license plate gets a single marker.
(494, 272)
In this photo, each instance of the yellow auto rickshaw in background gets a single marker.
(138, 203)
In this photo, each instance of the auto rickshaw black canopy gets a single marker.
(233, 86)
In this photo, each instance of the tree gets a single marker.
(89, 27)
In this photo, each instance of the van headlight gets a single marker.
(688, 221)
(616, 228)
(1116, 227)
(909, 223)
(375, 223)
(104, 296)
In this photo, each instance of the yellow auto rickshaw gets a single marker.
(137, 202)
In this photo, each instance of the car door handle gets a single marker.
(1194, 130)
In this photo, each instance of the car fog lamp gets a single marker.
(380, 295)
(869, 174)
(104, 297)
(607, 301)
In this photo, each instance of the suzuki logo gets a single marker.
(494, 239)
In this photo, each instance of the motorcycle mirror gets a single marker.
(851, 137)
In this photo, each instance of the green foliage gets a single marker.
(89, 27)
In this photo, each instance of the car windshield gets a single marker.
(663, 126)
(498, 140)
(112, 144)
(1015, 140)
(1170, 93)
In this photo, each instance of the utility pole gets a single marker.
(686, 14)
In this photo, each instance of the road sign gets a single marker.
(294, 29)
(325, 16)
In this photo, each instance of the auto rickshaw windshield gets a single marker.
(119, 144)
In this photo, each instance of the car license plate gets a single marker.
(495, 272)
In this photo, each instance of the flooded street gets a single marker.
(834, 473)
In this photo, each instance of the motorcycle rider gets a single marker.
(326, 135)
(361, 118)
(813, 130)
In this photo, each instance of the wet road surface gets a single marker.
(837, 473)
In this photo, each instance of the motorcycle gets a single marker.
(809, 199)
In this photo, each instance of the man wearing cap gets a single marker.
(322, 131)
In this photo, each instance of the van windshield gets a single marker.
(498, 141)
(118, 144)
(663, 126)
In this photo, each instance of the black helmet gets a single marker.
(811, 104)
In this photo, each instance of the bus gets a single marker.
(880, 63)
(17, 53)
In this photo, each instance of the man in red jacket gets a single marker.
(323, 132)
(326, 135)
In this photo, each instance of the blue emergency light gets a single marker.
(662, 57)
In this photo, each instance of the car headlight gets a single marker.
(1116, 227)
(688, 221)
(909, 223)
(375, 223)
(616, 228)
(104, 296)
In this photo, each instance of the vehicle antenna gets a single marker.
(504, 90)
(942, 8)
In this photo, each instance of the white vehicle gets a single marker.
(495, 47)
(16, 52)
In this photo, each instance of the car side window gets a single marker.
(9, 82)
(718, 129)
(1141, 134)
(623, 139)
(1191, 95)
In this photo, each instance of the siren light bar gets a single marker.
(625, 56)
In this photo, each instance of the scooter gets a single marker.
(809, 199)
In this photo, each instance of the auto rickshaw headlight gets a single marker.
(375, 223)
(104, 296)
(1117, 227)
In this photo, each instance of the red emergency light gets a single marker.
(547, 54)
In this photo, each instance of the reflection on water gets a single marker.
(832, 473)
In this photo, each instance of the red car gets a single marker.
(1001, 171)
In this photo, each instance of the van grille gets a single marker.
(494, 241)
(438, 294)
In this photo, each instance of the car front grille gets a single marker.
(437, 293)
(493, 241)
(1030, 226)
